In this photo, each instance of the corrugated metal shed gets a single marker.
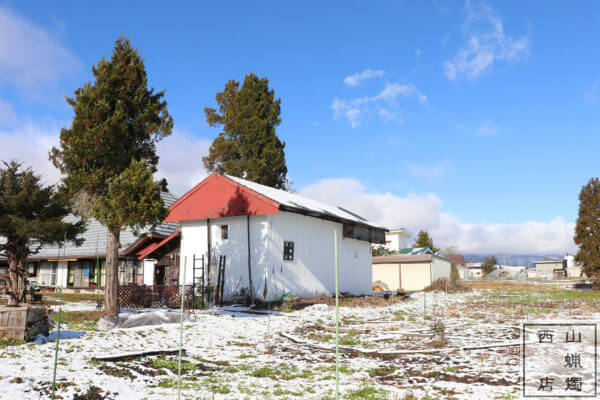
(95, 237)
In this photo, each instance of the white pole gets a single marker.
(181, 329)
(337, 320)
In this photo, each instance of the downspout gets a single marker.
(208, 251)
(252, 300)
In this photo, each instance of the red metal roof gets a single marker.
(154, 246)
(218, 196)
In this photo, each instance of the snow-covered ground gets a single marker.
(406, 350)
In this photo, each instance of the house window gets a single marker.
(224, 232)
(288, 251)
(32, 269)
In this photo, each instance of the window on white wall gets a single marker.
(224, 232)
(288, 251)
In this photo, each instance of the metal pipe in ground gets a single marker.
(56, 352)
(337, 320)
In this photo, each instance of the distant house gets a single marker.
(475, 269)
(414, 251)
(161, 261)
(456, 259)
(397, 239)
(565, 267)
(274, 242)
(84, 267)
(551, 266)
(409, 272)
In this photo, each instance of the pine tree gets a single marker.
(108, 154)
(31, 216)
(424, 240)
(489, 264)
(248, 147)
(587, 229)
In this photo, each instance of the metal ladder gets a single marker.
(195, 269)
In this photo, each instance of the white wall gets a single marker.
(149, 271)
(440, 268)
(310, 273)
(388, 275)
(62, 274)
(396, 241)
(415, 276)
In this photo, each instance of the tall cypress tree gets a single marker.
(31, 215)
(248, 147)
(424, 240)
(587, 229)
(108, 154)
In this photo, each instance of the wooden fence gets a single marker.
(156, 296)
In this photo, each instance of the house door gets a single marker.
(159, 274)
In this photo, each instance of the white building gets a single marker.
(398, 239)
(475, 270)
(83, 268)
(274, 242)
(409, 272)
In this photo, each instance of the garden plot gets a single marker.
(456, 346)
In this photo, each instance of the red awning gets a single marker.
(155, 246)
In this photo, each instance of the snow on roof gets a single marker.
(301, 203)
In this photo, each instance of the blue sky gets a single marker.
(474, 120)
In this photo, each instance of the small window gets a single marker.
(224, 232)
(288, 251)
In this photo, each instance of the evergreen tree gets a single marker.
(424, 240)
(587, 229)
(31, 215)
(381, 250)
(108, 154)
(248, 147)
(489, 264)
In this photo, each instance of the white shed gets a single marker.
(409, 272)
(274, 242)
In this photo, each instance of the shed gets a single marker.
(274, 242)
(409, 272)
(551, 266)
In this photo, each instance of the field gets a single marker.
(433, 346)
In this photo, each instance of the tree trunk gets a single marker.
(16, 273)
(111, 288)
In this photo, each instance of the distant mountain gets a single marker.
(520, 259)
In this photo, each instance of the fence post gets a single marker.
(56, 351)
(337, 319)
(181, 330)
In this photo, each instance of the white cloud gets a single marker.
(181, 160)
(425, 211)
(30, 144)
(429, 172)
(388, 115)
(485, 44)
(487, 128)
(7, 113)
(31, 56)
(357, 78)
(180, 154)
(354, 109)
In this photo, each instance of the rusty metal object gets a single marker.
(23, 322)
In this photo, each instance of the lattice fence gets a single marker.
(157, 296)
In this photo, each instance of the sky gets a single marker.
(476, 121)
